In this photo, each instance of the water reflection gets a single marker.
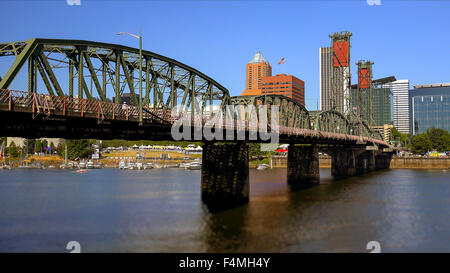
(160, 211)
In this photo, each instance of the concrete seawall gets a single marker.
(396, 163)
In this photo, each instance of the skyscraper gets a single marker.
(429, 107)
(381, 105)
(325, 72)
(400, 103)
(256, 69)
(334, 63)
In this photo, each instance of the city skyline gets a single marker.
(393, 54)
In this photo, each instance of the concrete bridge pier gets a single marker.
(225, 175)
(383, 161)
(342, 162)
(303, 166)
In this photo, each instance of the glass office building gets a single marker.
(429, 107)
(381, 105)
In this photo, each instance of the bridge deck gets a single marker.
(38, 115)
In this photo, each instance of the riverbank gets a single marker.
(396, 162)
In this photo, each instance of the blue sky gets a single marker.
(407, 39)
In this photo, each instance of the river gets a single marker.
(160, 210)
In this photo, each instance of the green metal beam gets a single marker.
(129, 80)
(100, 92)
(50, 74)
(44, 78)
(18, 63)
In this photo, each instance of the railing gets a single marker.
(46, 104)
(66, 106)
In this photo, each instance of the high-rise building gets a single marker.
(287, 85)
(259, 81)
(381, 105)
(256, 69)
(334, 62)
(400, 103)
(325, 73)
(429, 107)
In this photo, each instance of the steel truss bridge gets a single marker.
(83, 111)
(77, 76)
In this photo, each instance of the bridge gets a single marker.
(87, 112)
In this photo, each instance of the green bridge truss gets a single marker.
(166, 82)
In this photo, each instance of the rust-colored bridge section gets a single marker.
(35, 115)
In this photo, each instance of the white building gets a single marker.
(400, 103)
(326, 83)
(325, 73)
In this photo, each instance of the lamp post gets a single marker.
(140, 70)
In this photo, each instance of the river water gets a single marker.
(160, 210)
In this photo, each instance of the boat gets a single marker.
(262, 166)
(182, 165)
(51, 167)
(90, 165)
(195, 165)
(139, 166)
(122, 165)
(82, 165)
(131, 166)
(148, 166)
(81, 171)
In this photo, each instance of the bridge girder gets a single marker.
(167, 82)
(292, 114)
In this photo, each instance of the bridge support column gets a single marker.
(303, 166)
(343, 162)
(383, 161)
(372, 161)
(225, 175)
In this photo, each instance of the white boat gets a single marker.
(139, 166)
(82, 165)
(262, 166)
(90, 165)
(148, 166)
(195, 165)
(122, 165)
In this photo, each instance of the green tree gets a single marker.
(30, 145)
(440, 139)
(13, 151)
(52, 147)
(421, 144)
(80, 148)
(396, 135)
(37, 146)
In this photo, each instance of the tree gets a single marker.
(80, 148)
(37, 146)
(440, 139)
(396, 135)
(421, 144)
(52, 147)
(30, 145)
(12, 150)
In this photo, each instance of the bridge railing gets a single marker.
(46, 104)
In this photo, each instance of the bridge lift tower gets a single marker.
(341, 77)
(365, 92)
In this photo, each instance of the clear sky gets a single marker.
(407, 39)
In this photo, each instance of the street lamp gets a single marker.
(140, 70)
